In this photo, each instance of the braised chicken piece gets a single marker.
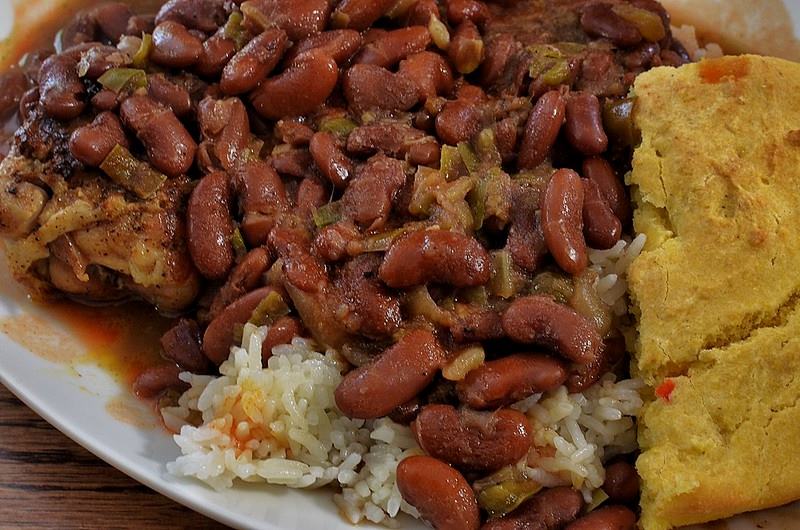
(76, 232)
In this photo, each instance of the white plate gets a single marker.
(80, 400)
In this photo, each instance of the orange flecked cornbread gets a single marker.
(716, 183)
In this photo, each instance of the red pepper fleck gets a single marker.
(664, 390)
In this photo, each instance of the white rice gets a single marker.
(612, 269)
(687, 36)
(279, 424)
(584, 429)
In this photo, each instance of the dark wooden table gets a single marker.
(49, 481)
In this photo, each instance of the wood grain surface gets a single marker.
(49, 481)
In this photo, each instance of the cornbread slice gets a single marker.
(716, 183)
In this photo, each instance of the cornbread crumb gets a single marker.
(717, 293)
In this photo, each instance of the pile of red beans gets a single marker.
(415, 183)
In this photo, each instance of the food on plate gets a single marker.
(740, 25)
(394, 235)
(717, 205)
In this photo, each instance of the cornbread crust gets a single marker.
(716, 183)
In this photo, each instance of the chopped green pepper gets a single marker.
(132, 174)
(503, 498)
(439, 33)
(647, 22)
(598, 498)
(234, 30)
(253, 13)
(142, 55)
(550, 62)
(381, 242)
(338, 125)
(268, 310)
(486, 148)
(476, 295)
(558, 286)
(477, 204)
(420, 304)
(238, 243)
(426, 181)
(502, 281)
(327, 214)
(119, 79)
(468, 157)
(450, 163)
(618, 122)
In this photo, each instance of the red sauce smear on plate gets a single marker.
(122, 339)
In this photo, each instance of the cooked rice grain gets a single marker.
(279, 424)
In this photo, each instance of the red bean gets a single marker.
(458, 121)
(262, 198)
(226, 132)
(203, 15)
(611, 188)
(622, 482)
(599, 20)
(153, 381)
(440, 493)
(61, 91)
(174, 46)
(169, 145)
(367, 87)
(105, 100)
(254, 62)
(606, 518)
(601, 227)
(219, 335)
(510, 379)
(499, 52)
(479, 442)
(112, 19)
(525, 239)
(436, 256)
(182, 344)
(394, 46)
(397, 375)
(369, 197)
(562, 221)
(170, 94)
(210, 227)
(331, 161)
(430, 72)
(13, 85)
(294, 132)
(299, 90)
(282, 331)
(391, 137)
(541, 131)
(541, 320)
(421, 12)
(583, 376)
(217, 51)
(245, 277)
(584, 124)
(359, 14)
(91, 143)
(298, 18)
(340, 44)
(475, 11)
(550, 509)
